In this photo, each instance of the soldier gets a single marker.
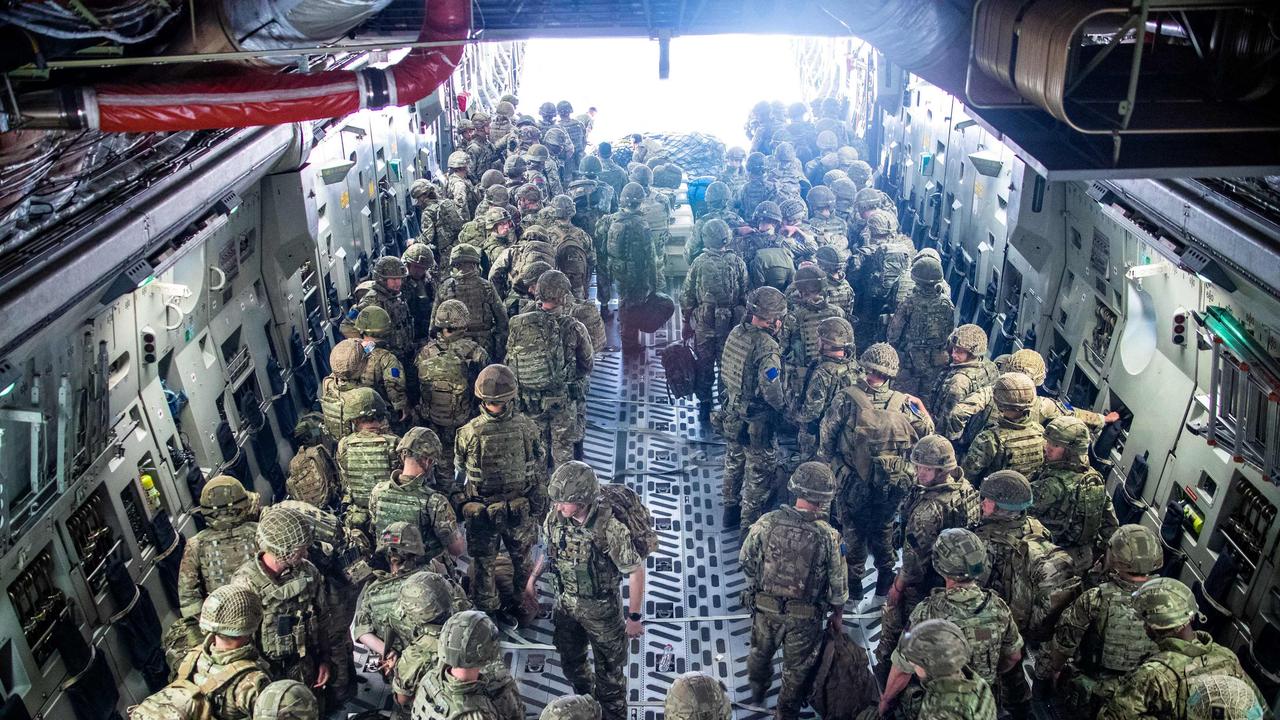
(498, 227)
(734, 174)
(384, 291)
(503, 121)
(835, 287)
(576, 131)
(383, 372)
(409, 496)
(846, 192)
(214, 554)
(481, 150)
(942, 498)
(695, 696)
(1159, 687)
(769, 262)
(631, 259)
(754, 190)
(572, 707)
(589, 551)
(347, 361)
(562, 152)
(447, 370)
(1016, 442)
(921, 327)
(425, 601)
(290, 635)
(592, 197)
(574, 253)
(1071, 498)
(786, 174)
(995, 647)
(716, 201)
(611, 173)
(796, 585)
(834, 370)
(419, 289)
(830, 229)
(313, 474)
(536, 159)
(487, 324)
(366, 457)
(799, 339)
(1222, 697)
(970, 370)
(939, 653)
(864, 201)
(905, 285)
(824, 157)
(286, 700)
(1006, 496)
(656, 211)
(712, 299)
(457, 184)
(501, 461)
(468, 680)
(754, 394)
(879, 366)
(546, 116)
(551, 356)
(1099, 639)
(535, 245)
(402, 547)
(795, 233)
(441, 220)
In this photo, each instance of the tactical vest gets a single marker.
(980, 374)
(842, 374)
(1121, 643)
(888, 261)
(446, 397)
(195, 694)
(395, 502)
(792, 556)
(774, 266)
(289, 627)
(877, 447)
(807, 319)
(967, 697)
(957, 503)
(222, 552)
(1020, 448)
(331, 405)
(1076, 520)
(375, 362)
(470, 290)
(754, 192)
(587, 313)
(628, 238)
(438, 699)
(312, 476)
(368, 462)
(739, 380)
(928, 326)
(1218, 660)
(535, 352)
(397, 339)
(717, 278)
(379, 599)
(833, 232)
(656, 215)
(982, 623)
(839, 294)
(580, 563)
(1044, 581)
(499, 467)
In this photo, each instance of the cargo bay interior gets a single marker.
(1100, 180)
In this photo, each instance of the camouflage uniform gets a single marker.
(586, 561)
(692, 696)
(214, 554)
(961, 379)
(920, 328)
(425, 601)
(797, 577)
(313, 474)
(552, 357)
(656, 210)
(824, 380)
(754, 394)
(1005, 528)
(1071, 498)
(413, 500)
(717, 204)
(835, 287)
(365, 458)
(906, 284)
(375, 293)
(419, 293)
(575, 253)
(876, 266)
(950, 690)
(503, 459)
(754, 190)
(383, 371)
(770, 260)
(882, 359)
(458, 188)
(712, 300)
(441, 222)
(830, 230)
(447, 370)
(468, 640)
(347, 361)
(1011, 444)
(376, 609)
(488, 326)
(799, 337)
(631, 260)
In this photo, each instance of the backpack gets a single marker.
(313, 476)
(1044, 583)
(650, 315)
(681, 369)
(716, 277)
(184, 699)
(446, 388)
(630, 510)
(843, 684)
(571, 255)
(535, 352)
(888, 262)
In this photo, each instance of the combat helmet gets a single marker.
(453, 314)
(420, 442)
(970, 338)
(423, 189)
(401, 538)
(553, 287)
(717, 195)
(716, 233)
(531, 270)
(881, 358)
(469, 639)
(388, 267)
(547, 110)
(283, 532)
(232, 611)
(480, 118)
(813, 481)
(374, 322)
(882, 224)
(464, 253)
(784, 152)
(632, 195)
(934, 451)
(836, 332)
(1008, 489)
(641, 174)
(571, 707)
(495, 216)
(529, 193)
(562, 207)
(424, 598)
(794, 211)
(574, 482)
(419, 254)
(564, 107)
(505, 107)
(938, 646)
(530, 134)
(842, 187)
(309, 430)
(286, 700)
(828, 258)
(224, 498)
(1069, 432)
(767, 210)
(735, 154)
(767, 303)
(497, 195)
(1134, 550)
(808, 280)
(1030, 363)
(959, 554)
(821, 197)
(696, 696)
(859, 171)
(827, 140)
(363, 403)
(346, 359)
(537, 153)
(1014, 391)
(590, 165)
(1221, 697)
(1165, 604)
(868, 199)
(515, 167)
(491, 178)
(459, 159)
(556, 139)
(496, 383)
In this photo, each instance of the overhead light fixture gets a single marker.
(986, 162)
(229, 203)
(138, 275)
(965, 124)
(1206, 268)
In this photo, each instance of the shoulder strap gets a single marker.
(226, 675)
(188, 665)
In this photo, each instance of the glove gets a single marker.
(497, 511)
(472, 509)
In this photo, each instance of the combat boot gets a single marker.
(758, 693)
(731, 518)
(884, 581)
(704, 412)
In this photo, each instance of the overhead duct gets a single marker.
(246, 99)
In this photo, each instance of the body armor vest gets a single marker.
(980, 615)
(1075, 521)
(928, 326)
(535, 352)
(379, 599)
(438, 699)
(331, 389)
(981, 374)
(839, 294)
(446, 398)
(834, 232)
(739, 379)
(290, 628)
(1121, 643)
(807, 318)
(499, 467)
(222, 552)
(580, 565)
(368, 462)
(470, 290)
(406, 500)
(718, 285)
(792, 555)
(1021, 447)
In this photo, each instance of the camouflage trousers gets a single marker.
(867, 515)
(517, 531)
(801, 641)
(893, 620)
(660, 238)
(598, 624)
(750, 466)
(340, 602)
(917, 376)
(557, 418)
(443, 468)
(711, 327)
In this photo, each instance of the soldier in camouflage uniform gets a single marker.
(313, 474)
(383, 372)
(562, 151)
(577, 131)
(656, 211)
(481, 150)
(754, 395)
(862, 202)
(1159, 687)
(920, 328)
(712, 300)
(441, 220)
(830, 229)
(457, 184)
(400, 544)
(384, 291)
(575, 254)
(468, 680)
(1006, 496)
(995, 647)
(831, 372)
(879, 366)
(631, 260)
(694, 696)
(501, 460)
(409, 496)
(797, 583)
(499, 234)
(1222, 697)
(969, 371)
(286, 700)
(1071, 498)
(447, 370)
(734, 174)
(1099, 639)
(905, 285)
(941, 499)
(770, 260)
(488, 320)
(291, 637)
(716, 199)
(551, 356)
(794, 232)
(419, 289)
(799, 338)
(938, 652)
(425, 601)
(846, 193)
(504, 273)
(589, 551)
(347, 361)
(536, 159)
(1016, 442)
(754, 190)
(365, 458)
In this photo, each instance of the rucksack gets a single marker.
(313, 476)
(630, 510)
(446, 389)
(681, 369)
(1044, 583)
(887, 263)
(650, 315)
(843, 685)
(571, 254)
(535, 352)
(184, 699)
(716, 284)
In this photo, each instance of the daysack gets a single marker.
(1044, 584)
(887, 263)
(630, 510)
(650, 315)
(571, 255)
(446, 389)
(184, 699)
(843, 685)
(716, 284)
(681, 369)
(535, 352)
